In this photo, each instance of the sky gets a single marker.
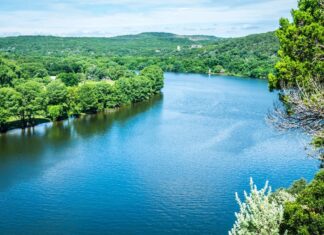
(105, 18)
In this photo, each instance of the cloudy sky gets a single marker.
(225, 18)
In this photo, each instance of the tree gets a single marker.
(41, 73)
(10, 101)
(301, 47)
(155, 74)
(56, 112)
(125, 90)
(106, 95)
(33, 69)
(305, 216)
(69, 79)
(141, 88)
(300, 72)
(73, 101)
(56, 94)
(95, 73)
(8, 72)
(32, 103)
(115, 72)
(88, 98)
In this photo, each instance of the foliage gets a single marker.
(95, 73)
(306, 215)
(56, 87)
(8, 72)
(299, 73)
(301, 47)
(32, 102)
(73, 101)
(88, 98)
(299, 76)
(260, 213)
(155, 74)
(109, 58)
(69, 79)
(56, 112)
(57, 94)
(117, 71)
(10, 101)
(297, 186)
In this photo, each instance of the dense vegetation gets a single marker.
(301, 48)
(299, 73)
(26, 95)
(252, 56)
(299, 77)
(296, 210)
(53, 77)
(305, 215)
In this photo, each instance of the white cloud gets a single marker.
(183, 17)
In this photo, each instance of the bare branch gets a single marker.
(301, 110)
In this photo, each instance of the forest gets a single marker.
(29, 96)
(45, 77)
(251, 56)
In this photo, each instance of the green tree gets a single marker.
(155, 74)
(300, 72)
(73, 101)
(57, 94)
(141, 88)
(301, 47)
(115, 72)
(104, 92)
(95, 73)
(8, 72)
(305, 216)
(125, 89)
(32, 103)
(10, 101)
(69, 79)
(56, 112)
(87, 97)
(41, 73)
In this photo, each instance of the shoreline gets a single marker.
(16, 124)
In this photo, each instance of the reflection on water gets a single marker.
(170, 165)
(27, 148)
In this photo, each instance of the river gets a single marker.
(170, 165)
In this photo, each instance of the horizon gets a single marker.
(109, 18)
(135, 34)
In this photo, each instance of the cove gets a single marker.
(170, 165)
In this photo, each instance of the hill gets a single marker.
(253, 55)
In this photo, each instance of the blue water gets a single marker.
(167, 166)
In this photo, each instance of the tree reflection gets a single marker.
(24, 153)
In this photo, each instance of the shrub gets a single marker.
(306, 214)
(260, 213)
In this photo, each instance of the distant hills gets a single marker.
(119, 45)
(253, 55)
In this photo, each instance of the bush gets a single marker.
(88, 99)
(306, 215)
(70, 79)
(260, 214)
(56, 112)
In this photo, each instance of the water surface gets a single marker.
(167, 166)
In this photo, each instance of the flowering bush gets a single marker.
(260, 213)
